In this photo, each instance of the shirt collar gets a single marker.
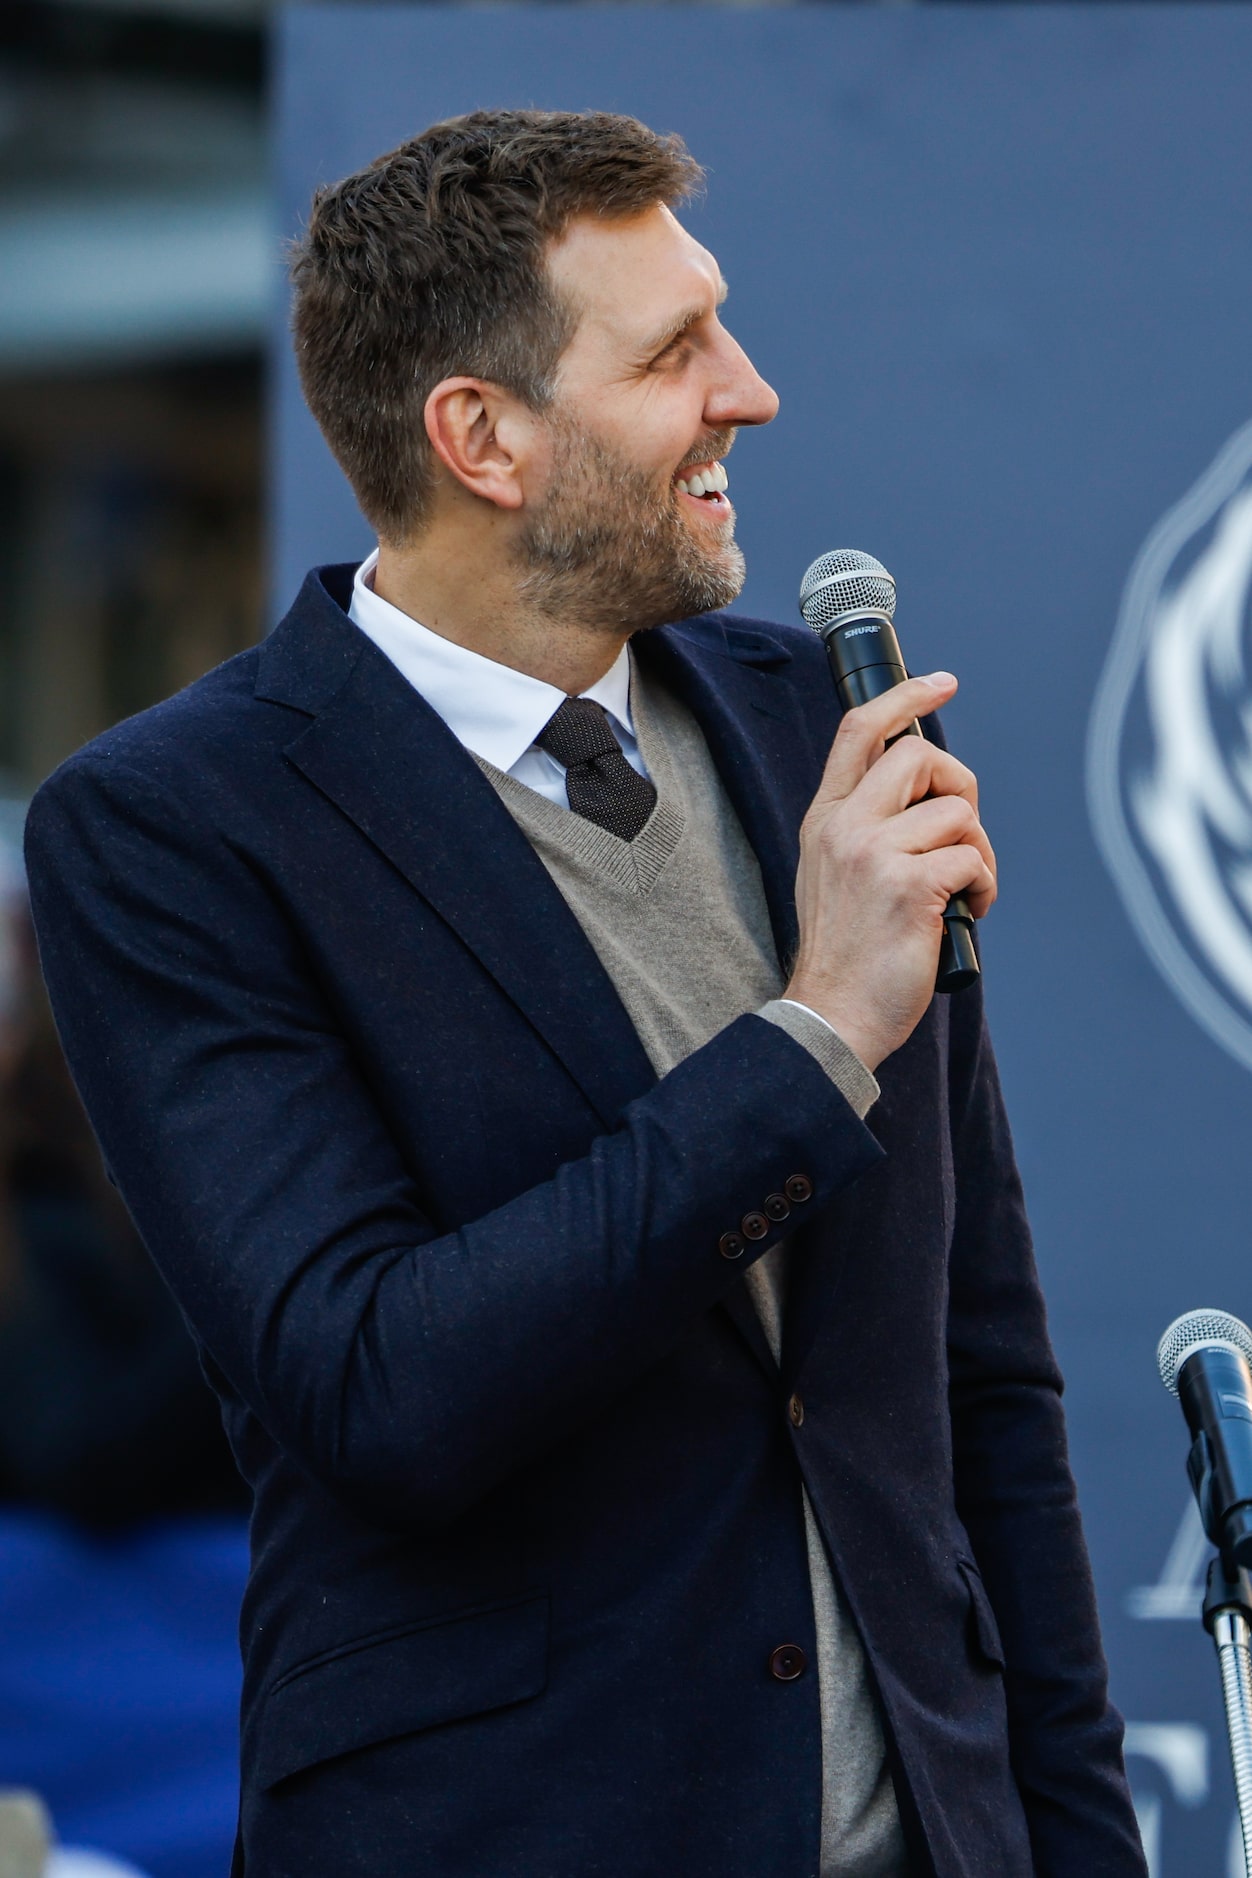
(494, 711)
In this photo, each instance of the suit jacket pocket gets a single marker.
(986, 1629)
(442, 1670)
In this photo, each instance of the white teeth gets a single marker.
(704, 482)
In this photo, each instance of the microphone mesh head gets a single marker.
(1199, 1330)
(841, 581)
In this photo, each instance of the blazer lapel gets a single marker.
(387, 760)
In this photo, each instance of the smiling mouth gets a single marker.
(705, 483)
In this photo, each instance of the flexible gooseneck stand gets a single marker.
(1228, 1620)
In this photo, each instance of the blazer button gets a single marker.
(798, 1189)
(795, 1409)
(754, 1225)
(730, 1245)
(787, 1662)
(776, 1207)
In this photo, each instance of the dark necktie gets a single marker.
(599, 782)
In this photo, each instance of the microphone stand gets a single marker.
(1228, 1620)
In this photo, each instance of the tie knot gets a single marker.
(578, 733)
(600, 784)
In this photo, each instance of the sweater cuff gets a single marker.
(844, 1067)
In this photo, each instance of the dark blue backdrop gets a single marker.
(996, 262)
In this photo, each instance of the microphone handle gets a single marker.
(1215, 1391)
(865, 661)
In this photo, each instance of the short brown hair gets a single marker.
(430, 263)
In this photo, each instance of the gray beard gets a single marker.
(607, 553)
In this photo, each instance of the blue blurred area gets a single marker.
(119, 1678)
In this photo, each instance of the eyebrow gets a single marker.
(676, 327)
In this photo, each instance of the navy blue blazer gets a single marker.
(528, 1521)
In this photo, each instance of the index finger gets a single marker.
(866, 731)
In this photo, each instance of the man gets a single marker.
(659, 1470)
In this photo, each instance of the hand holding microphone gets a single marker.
(849, 600)
(890, 839)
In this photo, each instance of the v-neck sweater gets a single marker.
(678, 918)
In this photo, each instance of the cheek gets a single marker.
(670, 420)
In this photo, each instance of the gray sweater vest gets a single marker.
(678, 919)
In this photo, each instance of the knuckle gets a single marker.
(911, 756)
(872, 844)
(859, 849)
(855, 728)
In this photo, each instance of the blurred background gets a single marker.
(135, 280)
(134, 245)
(141, 215)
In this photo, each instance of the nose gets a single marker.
(739, 395)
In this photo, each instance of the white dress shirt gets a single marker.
(491, 709)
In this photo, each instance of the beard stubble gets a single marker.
(610, 551)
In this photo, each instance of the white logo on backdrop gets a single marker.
(1169, 770)
(1179, 1590)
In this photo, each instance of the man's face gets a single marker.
(649, 395)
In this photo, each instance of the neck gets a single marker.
(488, 614)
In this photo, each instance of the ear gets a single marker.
(481, 433)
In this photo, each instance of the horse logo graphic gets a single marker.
(1169, 762)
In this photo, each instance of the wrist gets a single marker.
(827, 1002)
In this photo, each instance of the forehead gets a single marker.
(631, 277)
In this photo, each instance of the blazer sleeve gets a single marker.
(1015, 1495)
(408, 1370)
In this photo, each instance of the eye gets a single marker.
(676, 348)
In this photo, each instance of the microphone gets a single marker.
(849, 600)
(1204, 1360)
